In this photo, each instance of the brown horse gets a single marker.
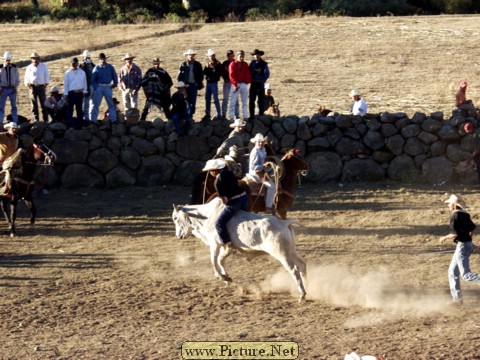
(292, 163)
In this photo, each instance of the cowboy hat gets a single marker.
(34, 56)
(86, 54)
(190, 52)
(156, 60)
(354, 92)
(258, 138)
(180, 85)
(7, 55)
(102, 56)
(268, 86)
(214, 164)
(238, 123)
(456, 200)
(257, 52)
(10, 125)
(210, 52)
(128, 56)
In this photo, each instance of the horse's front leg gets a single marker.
(13, 215)
(5, 211)
(33, 210)
(214, 258)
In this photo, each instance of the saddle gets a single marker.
(255, 188)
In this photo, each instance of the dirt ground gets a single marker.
(102, 276)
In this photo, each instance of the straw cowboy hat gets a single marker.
(238, 123)
(214, 164)
(210, 52)
(258, 138)
(34, 56)
(128, 56)
(190, 52)
(354, 92)
(180, 85)
(7, 55)
(86, 54)
(10, 125)
(456, 200)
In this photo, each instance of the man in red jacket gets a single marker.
(240, 77)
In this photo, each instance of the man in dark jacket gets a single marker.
(156, 84)
(260, 74)
(191, 73)
(212, 72)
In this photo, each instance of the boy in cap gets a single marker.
(74, 89)
(37, 78)
(9, 81)
(461, 101)
(461, 229)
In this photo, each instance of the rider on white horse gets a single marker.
(232, 195)
(256, 172)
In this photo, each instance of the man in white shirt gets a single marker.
(36, 79)
(74, 89)
(9, 81)
(359, 106)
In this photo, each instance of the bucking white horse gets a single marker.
(251, 234)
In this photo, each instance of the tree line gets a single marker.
(134, 11)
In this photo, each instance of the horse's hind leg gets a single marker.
(293, 270)
(6, 213)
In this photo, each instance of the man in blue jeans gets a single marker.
(181, 115)
(212, 72)
(461, 228)
(232, 195)
(104, 79)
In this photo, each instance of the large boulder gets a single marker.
(362, 170)
(192, 147)
(437, 170)
(402, 169)
(120, 176)
(324, 166)
(187, 172)
(102, 160)
(70, 152)
(155, 170)
(80, 175)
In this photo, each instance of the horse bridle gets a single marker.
(50, 156)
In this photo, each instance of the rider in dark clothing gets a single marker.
(232, 195)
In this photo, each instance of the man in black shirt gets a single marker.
(232, 195)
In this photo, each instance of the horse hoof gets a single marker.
(302, 297)
(12, 235)
(226, 278)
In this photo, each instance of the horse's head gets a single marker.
(297, 161)
(181, 221)
(42, 154)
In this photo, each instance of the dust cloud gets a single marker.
(345, 286)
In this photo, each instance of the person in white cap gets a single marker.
(130, 82)
(235, 141)
(232, 194)
(256, 171)
(269, 100)
(37, 78)
(9, 82)
(190, 73)
(87, 66)
(359, 106)
(181, 116)
(461, 228)
(212, 71)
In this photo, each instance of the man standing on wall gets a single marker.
(260, 74)
(191, 74)
(9, 81)
(74, 89)
(240, 77)
(130, 82)
(104, 79)
(36, 79)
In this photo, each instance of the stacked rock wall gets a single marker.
(338, 148)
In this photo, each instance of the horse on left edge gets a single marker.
(22, 182)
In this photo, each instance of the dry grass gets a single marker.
(399, 63)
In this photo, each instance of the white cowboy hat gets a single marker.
(210, 52)
(34, 55)
(86, 54)
(180, 84)
(7, 55)
(268, 86)
(456, 200)
(190, 52)
(11, 125)
(238, 123)
(354, 92)
(258, 138)
(128, 56)
(214, 164)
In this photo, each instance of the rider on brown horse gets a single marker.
(8, 148)
(235, 142)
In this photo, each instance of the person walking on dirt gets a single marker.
(461, 228)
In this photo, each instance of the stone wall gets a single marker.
(424, 148)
